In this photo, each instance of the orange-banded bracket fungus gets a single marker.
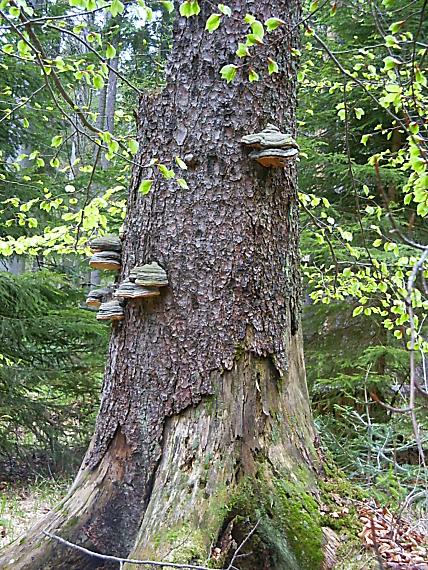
(106, 260)
(149, 275)
(97, 296)
(110, 311)
(130, 290)
(272, 147)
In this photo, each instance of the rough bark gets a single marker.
(204, 426)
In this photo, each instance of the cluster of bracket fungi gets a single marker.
(272, 148)
(106, 253)
(143, 281)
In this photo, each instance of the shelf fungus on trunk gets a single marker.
(272, 147)
(106, 243)
(106, 250)
(106, 260)
(130, 290)
(149, 275)
(97, 296)
(110, 311)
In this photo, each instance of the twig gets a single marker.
(246, 539)
(120, 560)
(318, 223)
(153, 563)
(410, 284)
(37, 48)
(100, 57)
(86, 202)
(22, 104)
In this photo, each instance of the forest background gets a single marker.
(67, 145)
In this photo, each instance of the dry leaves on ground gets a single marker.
(396, 543)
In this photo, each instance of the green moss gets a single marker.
(72, 522)
(337, 485)
(191, 543)
(186, 544)
(289, 530)
(299, 514)
(240, 350)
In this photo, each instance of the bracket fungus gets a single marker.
(106, 243)
(110, 311)
(106, 250)
(149, 275)
(130, 290)
(272, 147)
(107, 260)
(96, 297)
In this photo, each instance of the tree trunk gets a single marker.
(204, 428)
(110, 102)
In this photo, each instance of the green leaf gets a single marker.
(391, 62)
(273, 23)
(359, 112)
(110, 51)
(169, 6)
(190, 8)
(249, 19)
(57, 141)
(253, 40)
(98, 81)
(272, 66)
(391, 41)
(228, 72)
(133, 146)
(181, 163)
(213, 22)
(242, 50)
(225, 10)
(253, 75)
(166, 172)
(145, 186)
(182, 183)
(14, 12)
(395, 27)
(357, 311)
(258, 30)
(116, 7)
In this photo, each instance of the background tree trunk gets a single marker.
(204, 426)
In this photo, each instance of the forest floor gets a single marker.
(373, 537)
(23, 503)
(29, 487)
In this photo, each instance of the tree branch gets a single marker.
(153, 563)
